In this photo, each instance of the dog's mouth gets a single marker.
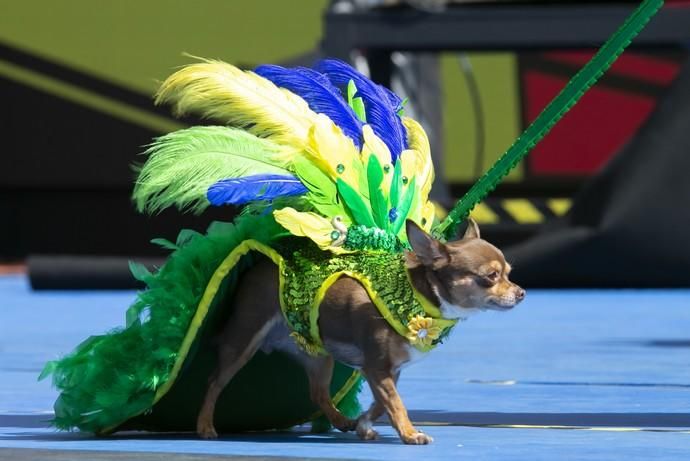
(500, 305)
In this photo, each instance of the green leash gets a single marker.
(567, 98)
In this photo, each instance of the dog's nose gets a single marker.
(520, 295)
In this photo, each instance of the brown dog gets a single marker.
(459, 277)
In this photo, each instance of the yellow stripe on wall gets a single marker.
(484, 215)
(522, 211)
(134, 43)
(88, 98)
(559, 206)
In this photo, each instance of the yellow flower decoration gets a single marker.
(423, 330)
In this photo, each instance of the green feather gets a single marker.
(106, 372)
(378, 201)
(362, 183)
(139, 271)
(404, 208)
(396, 184)
(357, 104)
(358, 108)
(360, 211)
(351, 91)
(401, 111)
(318, 182)
(323, 193)
(182, 165)
(164, 243)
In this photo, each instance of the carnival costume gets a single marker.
(327, 169)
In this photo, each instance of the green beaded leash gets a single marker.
(562, 103)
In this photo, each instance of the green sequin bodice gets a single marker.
(307, 271)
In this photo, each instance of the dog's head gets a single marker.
(467, 274)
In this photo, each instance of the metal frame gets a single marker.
(495, 27)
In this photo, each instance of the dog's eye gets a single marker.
(493, 276)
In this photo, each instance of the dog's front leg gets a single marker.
(382, 383)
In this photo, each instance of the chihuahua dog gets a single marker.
(460, 277)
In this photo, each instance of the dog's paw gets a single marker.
(417, 438)
(206, 431)
(347, 425)
(365, 431)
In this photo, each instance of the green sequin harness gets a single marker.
(307, 272)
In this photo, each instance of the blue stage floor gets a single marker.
(566, 375)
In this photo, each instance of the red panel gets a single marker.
(639, 66)
(590, 133)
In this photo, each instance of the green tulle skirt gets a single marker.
(152, 374)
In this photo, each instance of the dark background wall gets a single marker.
(76, 81)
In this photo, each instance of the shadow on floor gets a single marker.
(680, 420)
(436, 417)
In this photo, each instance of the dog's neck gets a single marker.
(420, 282)
(420, 278)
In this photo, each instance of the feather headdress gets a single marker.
(325, 150)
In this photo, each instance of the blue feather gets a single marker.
(381, 104)
(321, 96)
(238, 191)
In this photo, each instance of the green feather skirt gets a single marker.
(152, 373)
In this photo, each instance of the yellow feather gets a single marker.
(374, 145)
(410, 168)
(220, 91)
(418, 141)
(428, 213)
(329, 147)
(307, 224)
(422, 208)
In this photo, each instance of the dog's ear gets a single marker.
(428, 251)
(472, 231)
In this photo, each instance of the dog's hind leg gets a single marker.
(238, 346)
(320, 370)
(366, 420)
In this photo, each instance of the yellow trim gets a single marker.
(431, 310)
(366, 283)
(88, 98)
(202, 309)
(380, 304)
(314, 310)
(209, 294)
(351, 381)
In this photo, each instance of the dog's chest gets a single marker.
(413, 355)
(349, 354)
(353, 356)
